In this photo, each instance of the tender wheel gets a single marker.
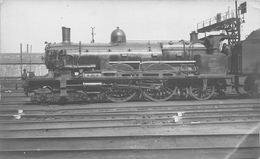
(201, 91)
(157, 90)
(120, 92)
(252, 86)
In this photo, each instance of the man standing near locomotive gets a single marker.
(226, 49)
(24, 75)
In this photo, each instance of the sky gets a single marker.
(33, 22)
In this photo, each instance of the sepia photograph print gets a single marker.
(129, 79)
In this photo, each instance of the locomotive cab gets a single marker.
(214, 43)
(214, 62)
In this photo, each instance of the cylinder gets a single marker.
(65, 35)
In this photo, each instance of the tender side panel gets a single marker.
(251, 56)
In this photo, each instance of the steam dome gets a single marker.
(118, 36)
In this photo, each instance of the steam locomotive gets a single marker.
(120, 70)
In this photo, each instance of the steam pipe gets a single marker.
(192, 45)
(184, 49)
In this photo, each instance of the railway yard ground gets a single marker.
(219, 128)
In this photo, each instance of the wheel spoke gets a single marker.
(116, 94)
(162, 94)
(196, 90)
(199, 93)
(158, 90)
(119, 94)
(164, 91)
(167, 90)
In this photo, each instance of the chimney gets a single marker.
(193, 36)
(65, 35)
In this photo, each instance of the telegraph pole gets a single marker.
(21, 56)
(30, 58)
(92, 28)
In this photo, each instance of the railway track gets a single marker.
(216, 146)
(182, 129)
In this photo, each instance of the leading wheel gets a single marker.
(157, 90)
(201, 91)
(44, 94)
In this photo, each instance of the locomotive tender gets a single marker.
(121, 70)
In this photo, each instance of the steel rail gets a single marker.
(122, 123)
(9, 134)
(189, 112)
(131, 149)
(178, 130)
(244, 153)
(200, 152)
(129, 111)
(146, 112)
(167, 123)
(173, 142)
(106, 109)
(127, 105)
(138, 135)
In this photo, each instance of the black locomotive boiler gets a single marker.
(121, 70)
